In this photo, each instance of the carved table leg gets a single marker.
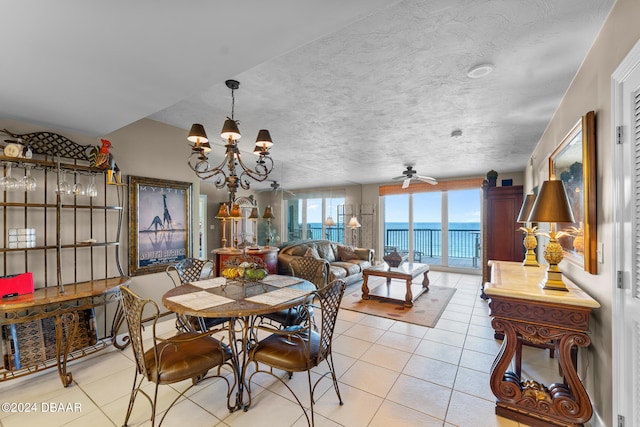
(66, 327)
(532, 402)
(365, 288)
(408, 300)
(425, 280)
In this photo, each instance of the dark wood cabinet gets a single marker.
(501, 239)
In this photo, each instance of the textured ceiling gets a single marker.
(352, 91)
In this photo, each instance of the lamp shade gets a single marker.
(235, 211)
(525, 210)
(552, 204)
(230, 130)
(330, 222)
(254, 214)
(268, 214)
(264, 139)
(223, 212)
(197, 134)
(353, 222)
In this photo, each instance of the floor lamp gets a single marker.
(353, 224)
(268, 215)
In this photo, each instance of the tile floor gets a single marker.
(390, 374)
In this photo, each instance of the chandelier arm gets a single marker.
(261, 171)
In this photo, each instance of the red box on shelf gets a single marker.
(17, 284)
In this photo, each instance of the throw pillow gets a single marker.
(347, 253)
(312, 252)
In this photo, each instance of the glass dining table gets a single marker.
(241, 302)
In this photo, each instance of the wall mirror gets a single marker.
(573, 162)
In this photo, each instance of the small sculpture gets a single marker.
(99, 156)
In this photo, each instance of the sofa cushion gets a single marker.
(347, 253)
(362, 263)
(336, 272)
(312, 252)
(325, 250)
(351, 268)
(298, 250)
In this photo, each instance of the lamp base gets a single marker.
(530, 259)
(553, 279)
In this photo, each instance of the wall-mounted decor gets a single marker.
(159, 224)
(573, 162)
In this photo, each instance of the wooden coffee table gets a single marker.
(407, 271)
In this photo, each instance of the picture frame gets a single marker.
(160, 217)
(574, 163)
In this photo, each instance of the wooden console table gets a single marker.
(522, 310)
(63, 308)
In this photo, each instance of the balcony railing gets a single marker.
(427, 242)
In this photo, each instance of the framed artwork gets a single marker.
(160, 218)
(573, 162)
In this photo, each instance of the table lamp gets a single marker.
(353, 223)
(235, 214)
(268, 215)
(254, 217)
(530, 242)
(552, 206)
(223, 215)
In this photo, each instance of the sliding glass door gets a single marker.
(436, 227)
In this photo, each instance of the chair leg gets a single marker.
(132, 399)
(153, 406)
(333, 377)
(311, 399)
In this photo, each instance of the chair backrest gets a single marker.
(308, 268)
(189, 269)
(137, 311)
(329, 297)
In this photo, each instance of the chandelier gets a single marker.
(232, 172)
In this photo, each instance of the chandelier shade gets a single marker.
(232, 172)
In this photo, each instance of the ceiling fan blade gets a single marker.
(406, 182)
(399, 177)
(428, 179)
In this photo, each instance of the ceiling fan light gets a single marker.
(230, 130)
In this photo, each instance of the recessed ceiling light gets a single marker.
(480, 70)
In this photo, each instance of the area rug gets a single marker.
(426, 310)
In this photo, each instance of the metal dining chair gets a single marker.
(183, 356)
(301, 349)
(190, 270)
(311, 269)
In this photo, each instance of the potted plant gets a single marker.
(492, 178)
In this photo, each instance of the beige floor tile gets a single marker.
(475, 383)
(387, 356)
(377, 322)
(392, 414)
(370, 378)
(455, 315)
(452, 325)
(483, 345)
(267, 409)
(187, 412)
(432, 370)
(398, 341)
(358, 408)
(481, 331)
(350, 316)
(410, 329)
(424, 396)
(435, 350)
(469, 411)
(477, 361)
(349, 346)
(445, 337)
(366, 333)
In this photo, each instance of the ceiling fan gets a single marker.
(275, 186)
(411, 174)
